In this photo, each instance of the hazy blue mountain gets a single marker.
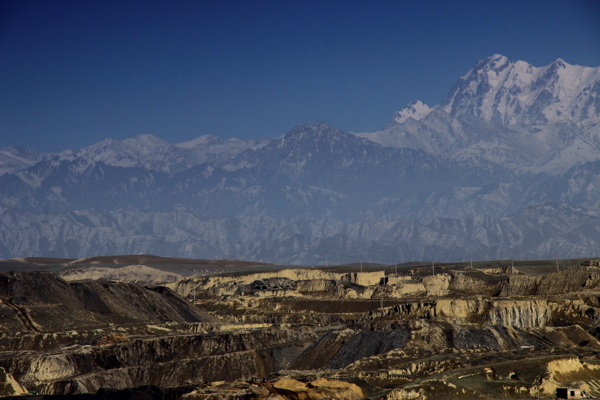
(16, 158)
(507, 164)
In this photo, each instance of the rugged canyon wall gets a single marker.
(167, 361)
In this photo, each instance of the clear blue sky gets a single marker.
(75, 72)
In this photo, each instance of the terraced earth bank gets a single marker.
(265, 332)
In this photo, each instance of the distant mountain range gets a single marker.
(508, 165)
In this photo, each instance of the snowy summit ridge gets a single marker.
(416, 110)
(499, 90)
(509, 113)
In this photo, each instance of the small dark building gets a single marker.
(569, 393)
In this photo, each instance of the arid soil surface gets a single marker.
(150, 327)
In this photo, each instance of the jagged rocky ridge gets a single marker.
(507, 164)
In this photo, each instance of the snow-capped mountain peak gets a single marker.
(495, 62)
(560, 63)
(146, 143)
(510, 113)
(509, 93)
(110, 151)
(416, 110)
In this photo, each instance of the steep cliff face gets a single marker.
(565, 281)
(520, 313)
(475, 282)
(517, 313)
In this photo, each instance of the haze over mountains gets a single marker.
(507, 165)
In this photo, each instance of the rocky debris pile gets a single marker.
(44, 302)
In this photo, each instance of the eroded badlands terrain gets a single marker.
(176, 329)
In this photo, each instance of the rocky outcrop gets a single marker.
(229, 285)
(9, 386)
(318, 389)
(474, 283)
(140, 274)
(371, 285)
(521, 313)
(282, 389)
(166, 362)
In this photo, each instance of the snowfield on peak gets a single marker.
(526, 118)
(416, 110)
(506, 92)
